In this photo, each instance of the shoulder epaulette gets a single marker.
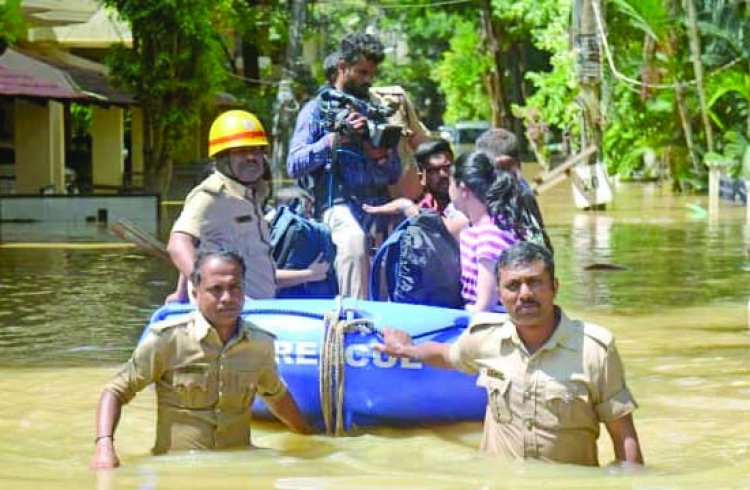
(212, 185)
(599, 334)
(170, 323)
(254, 328)
(209, 186)
(485, 319)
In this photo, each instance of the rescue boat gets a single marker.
(324, 344)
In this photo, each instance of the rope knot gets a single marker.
(332, 365)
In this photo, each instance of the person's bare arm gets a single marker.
(286, 410)
(181, 248)
(417, 138)
(397, 343)
(486, 287)
(179, 295)
(625, 440)
(455, 223)
(107, 418)
(396, 206)
(292, 277)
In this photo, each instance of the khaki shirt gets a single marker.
(222, 213)
(548, 404)
(204, 389)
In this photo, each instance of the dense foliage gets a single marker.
(174, 68)
(185, 54)
(506, 61)
(11, 23)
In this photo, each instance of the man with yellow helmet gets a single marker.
(225, 210)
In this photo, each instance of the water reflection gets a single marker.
(75, 306)
(670, 256)
(68, 316)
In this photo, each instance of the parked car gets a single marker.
(463, 134)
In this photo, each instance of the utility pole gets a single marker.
(588, 68)
(591, 186)
(286, 105)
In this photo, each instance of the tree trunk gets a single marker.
(494, 79)
(695, 52)
(286, 106)
(157, 161)
(682, 108)
(148, 149)
(518, 68)
(685, 121)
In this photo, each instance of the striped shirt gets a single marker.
(481, 240)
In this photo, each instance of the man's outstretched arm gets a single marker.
(397, 343)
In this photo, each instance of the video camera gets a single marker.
(336, 107)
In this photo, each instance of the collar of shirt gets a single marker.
(235, 188)
(562, 335)
(202, 328)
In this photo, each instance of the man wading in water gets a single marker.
(207, 367)
(550, 380)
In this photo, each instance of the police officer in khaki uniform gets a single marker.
(207, 368)
(225, 211)
(550, 380)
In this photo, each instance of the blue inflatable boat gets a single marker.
(377, 389)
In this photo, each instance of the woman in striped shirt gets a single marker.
(489, 198)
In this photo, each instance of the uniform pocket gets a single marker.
(498, 397)
(568, 403)
(191, 387)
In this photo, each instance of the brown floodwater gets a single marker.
(70, 314)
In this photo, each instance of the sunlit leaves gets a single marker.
(460, 75)
(11, 21)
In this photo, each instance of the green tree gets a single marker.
(551, 103)
(460, 74)
(428, 33)
(656, 64)
(175, 68)
(726, 29)
(11, 23)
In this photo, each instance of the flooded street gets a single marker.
(678, 308)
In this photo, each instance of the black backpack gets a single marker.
(421, 261)
(296, 242)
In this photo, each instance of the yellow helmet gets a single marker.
(235, 129)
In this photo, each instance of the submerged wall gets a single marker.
(76, 218)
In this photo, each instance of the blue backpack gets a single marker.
(421, 262)
(296, 242)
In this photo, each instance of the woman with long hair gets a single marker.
(490, 199)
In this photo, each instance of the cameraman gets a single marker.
(347, 170)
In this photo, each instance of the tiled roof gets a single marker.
(91, 83)
(22, 85)
(31, 74)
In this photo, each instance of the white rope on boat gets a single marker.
(332, 364)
